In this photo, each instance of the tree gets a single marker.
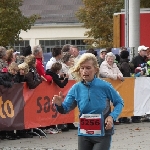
(145, 3)
(12, 21)
(97, 16)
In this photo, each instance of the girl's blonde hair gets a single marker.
(84, 57)
(30, 60)
(12, 66)
(24, 66)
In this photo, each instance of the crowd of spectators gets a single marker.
(28, 67)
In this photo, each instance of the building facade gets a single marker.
(58, 25)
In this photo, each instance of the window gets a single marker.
(21, 44)
(62, 42)
(57, 43)
(42, 42)
(68, 42)
(73, 42)
(47, 45)
(82, 42)
(78, 42)
(52, 43)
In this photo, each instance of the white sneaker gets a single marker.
(50, 131)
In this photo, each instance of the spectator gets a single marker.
(26, 51)
(109, 49)
(101, 56)
(38, 53)
(67, 63)
(141, 58)
(76, 54)
(23, 70)
(91, 50)
(32, 78)
(74, 51)
(20, 59)
(21, 77)
(10, 57)
(67, 48)
(137, 60)
(117, 60)
(7, 79)
(124, 65)
(3, 57)
(140, 71)
(109, 69)
(61, 82)
(54, 71)
(148, 62)
(56, 57)
(126, 71)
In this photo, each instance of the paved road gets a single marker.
(134, 136)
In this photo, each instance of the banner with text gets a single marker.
(23, 108)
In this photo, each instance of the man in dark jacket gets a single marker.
(125, 70)
(101, 56)
(137, 61)
(141, 57)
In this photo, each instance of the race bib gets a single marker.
(91, 124)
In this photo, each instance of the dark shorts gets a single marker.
(94, 143)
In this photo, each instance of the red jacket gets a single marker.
(41, 71)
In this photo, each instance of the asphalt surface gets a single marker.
(134, 136)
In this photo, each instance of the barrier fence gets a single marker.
(23, 108)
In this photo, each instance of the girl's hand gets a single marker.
(57, 99)
(109, 123)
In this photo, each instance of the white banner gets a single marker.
(142, 96)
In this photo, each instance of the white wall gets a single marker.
(53, 32)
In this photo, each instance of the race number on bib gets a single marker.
(91, 124)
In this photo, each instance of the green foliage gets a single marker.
(97, 16)
(145, 3)
(12, 21)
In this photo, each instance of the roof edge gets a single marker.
(57, 25)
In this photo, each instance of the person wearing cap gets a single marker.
(141, 58)
(101, 56)
(137, 61)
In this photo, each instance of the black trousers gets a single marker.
(94, 143)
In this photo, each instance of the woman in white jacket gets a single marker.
(67, 63)
(109, 69)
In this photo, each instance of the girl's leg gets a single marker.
(102, 143)
(84, 143)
